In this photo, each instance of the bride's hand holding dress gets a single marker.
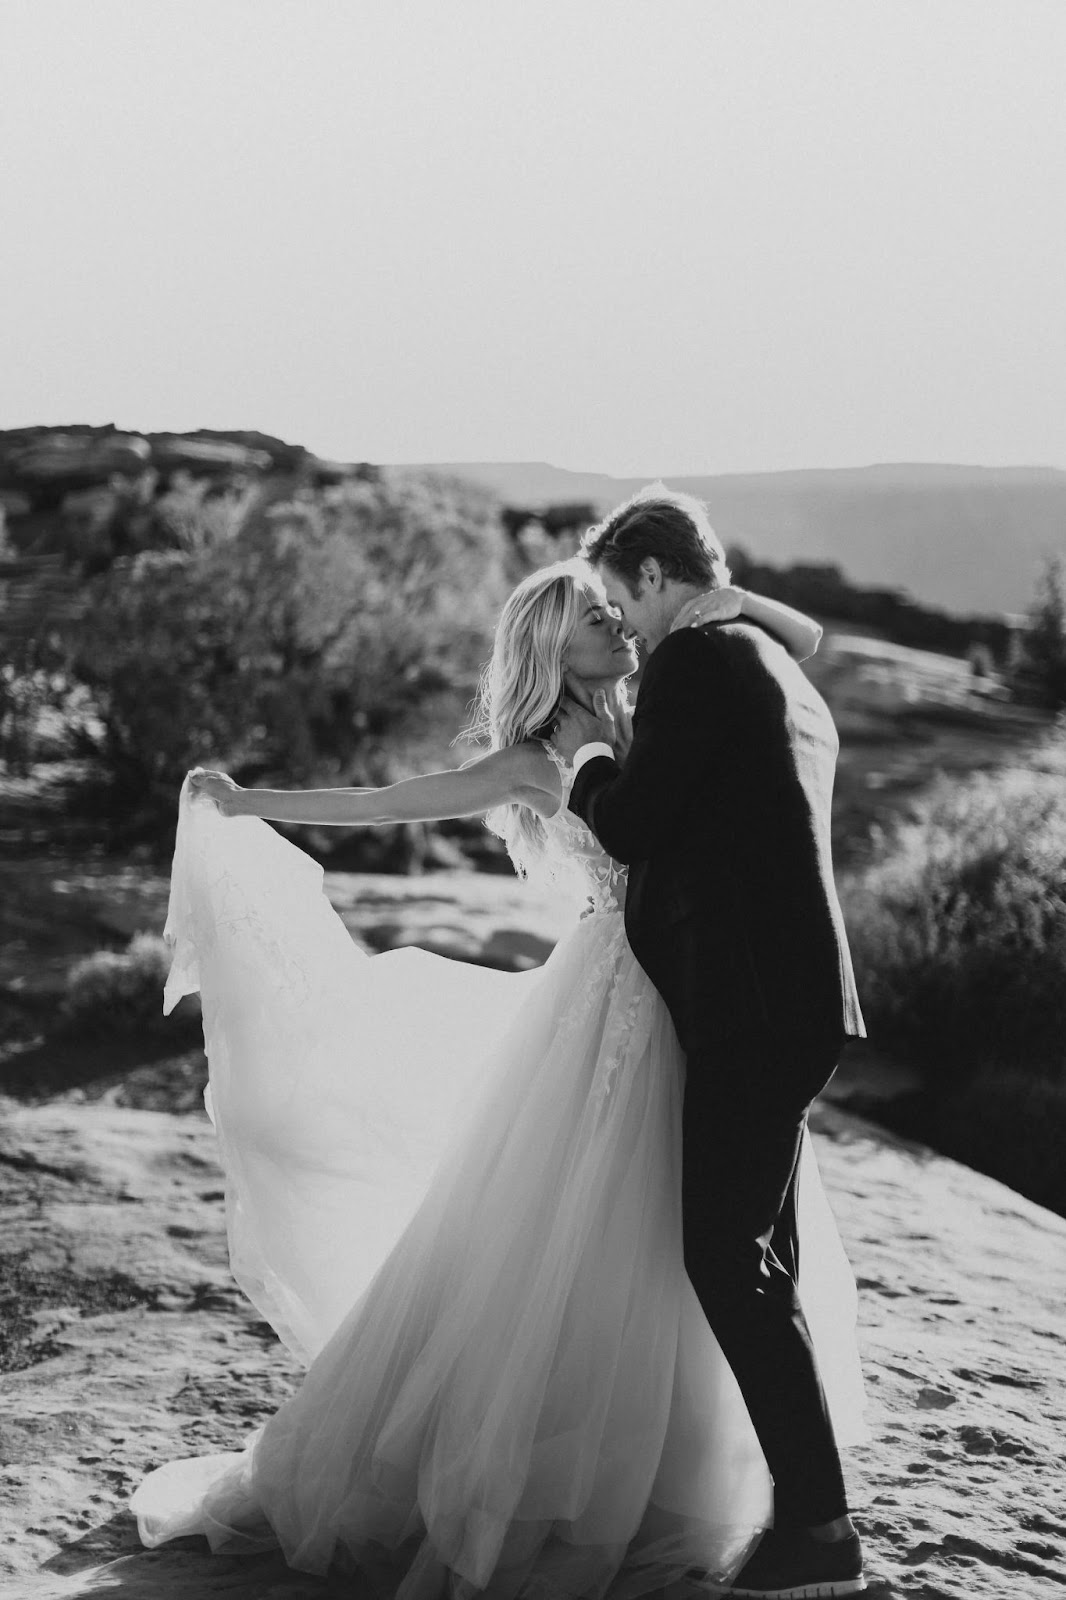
(217, 787)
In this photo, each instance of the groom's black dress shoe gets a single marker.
(790, 1564)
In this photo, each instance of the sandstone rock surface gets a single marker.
(130, 1345)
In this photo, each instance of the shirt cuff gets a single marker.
(588, 751)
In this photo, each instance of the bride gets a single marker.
(455, 1193)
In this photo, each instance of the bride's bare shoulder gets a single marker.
(536, 775)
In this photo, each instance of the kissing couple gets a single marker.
(552, 1245)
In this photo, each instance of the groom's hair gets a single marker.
(659, 522)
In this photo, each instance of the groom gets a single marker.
(722, 811)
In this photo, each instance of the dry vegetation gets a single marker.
(958, 928)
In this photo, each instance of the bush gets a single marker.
(1013, 1127)
(118, 992)
(958, 928)
(292, 638)
(958, 933)
(1045, 643)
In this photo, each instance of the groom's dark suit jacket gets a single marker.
(722, 812)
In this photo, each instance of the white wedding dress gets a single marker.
(455, 1193)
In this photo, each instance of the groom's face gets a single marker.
(639, 612)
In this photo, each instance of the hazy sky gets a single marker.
(632, 236)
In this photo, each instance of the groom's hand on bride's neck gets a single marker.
(576, 725)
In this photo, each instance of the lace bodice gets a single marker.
(574, 852)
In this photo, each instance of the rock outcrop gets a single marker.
(59, 487)
(35, 461)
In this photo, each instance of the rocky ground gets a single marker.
(127, 1344)
(124, 1343)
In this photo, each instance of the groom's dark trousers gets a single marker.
(722, 811)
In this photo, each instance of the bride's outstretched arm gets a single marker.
(522, 773)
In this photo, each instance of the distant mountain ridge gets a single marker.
(971, 540)
(968, 539)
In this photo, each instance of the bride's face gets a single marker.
(600, 648)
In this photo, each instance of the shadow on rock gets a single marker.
(60, 1063)
(116, 1537)
(110, 1560)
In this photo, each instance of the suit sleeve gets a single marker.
(679, 727)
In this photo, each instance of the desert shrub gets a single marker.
(43, 715)
(39, 702)
(1045, 642)
(1012, 1126)
(958, 928)
(118, 992)
(292, 637)
(958, 932)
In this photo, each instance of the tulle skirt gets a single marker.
(456, 1194)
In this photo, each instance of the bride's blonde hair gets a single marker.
(522, 685)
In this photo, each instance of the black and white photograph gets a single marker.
(532, 799)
